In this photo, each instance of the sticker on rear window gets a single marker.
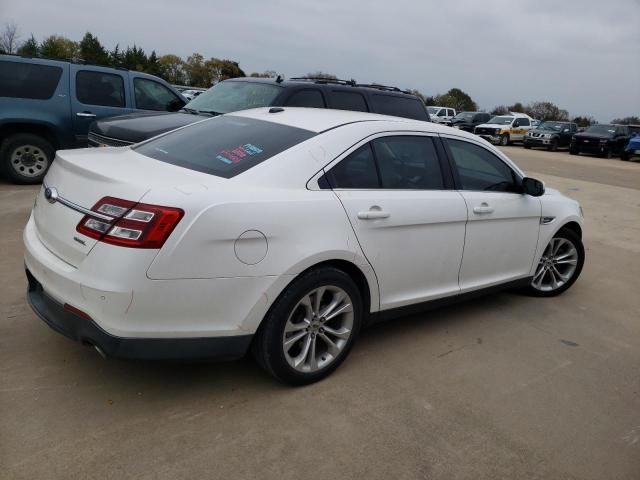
(236, 155)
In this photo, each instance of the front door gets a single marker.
(410, 226)
(503, 226)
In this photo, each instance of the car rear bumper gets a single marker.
(85, 330)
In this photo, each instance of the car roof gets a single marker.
(320, 120)
(325, 83)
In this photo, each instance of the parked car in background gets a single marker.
(285, 230)
(551, 135)
(604, 140)
(632, 150)
(47, 105)
(505, 129)
(468, 121)
(191, 93)
(244, 93)
(442, 115)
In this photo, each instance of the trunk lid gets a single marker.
(83, 177)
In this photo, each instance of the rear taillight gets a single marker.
(130, 224)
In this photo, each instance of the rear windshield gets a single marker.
(224, 146)
(399, 106)
(232, 96)
(28, 80)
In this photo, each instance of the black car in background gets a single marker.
(602, 140)
(244, 93)
(467, 121)
(551, 135)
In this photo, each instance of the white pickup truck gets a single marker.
(441, 114)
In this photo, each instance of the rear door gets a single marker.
(503, 226)
(96, 93)
(408, 221)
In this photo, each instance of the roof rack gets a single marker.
(386, 88)
(338, 81)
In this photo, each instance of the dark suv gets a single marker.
(603, 140)
(467, 121)
(244, 93)
(551, 135)
(47, 105)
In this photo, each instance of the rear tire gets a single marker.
(25, 158)
(560, 265)
(302, 339)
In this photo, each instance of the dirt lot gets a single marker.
(504, 387)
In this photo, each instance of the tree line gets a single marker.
(197, 71)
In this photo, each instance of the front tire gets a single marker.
(311, 327)
(560, 265)
(25, 158)
(573, 152)
(553, 147)
(504, 140)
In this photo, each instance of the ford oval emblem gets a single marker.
(51, 194)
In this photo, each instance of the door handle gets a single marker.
(373, 214)
(483, 208)
(86, 114)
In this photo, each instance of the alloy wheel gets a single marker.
(29, 161)
(557, 265)
(318, 329)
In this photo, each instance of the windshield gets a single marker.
(232, 96)
(466, 116)
(433, 110)
(601, 129)
(501, 120)
(557, 126)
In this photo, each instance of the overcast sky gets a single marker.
(583, 55)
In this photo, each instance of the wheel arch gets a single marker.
(574, 227)
(43, 130)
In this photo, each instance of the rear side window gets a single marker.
(306, 98)
(408, 163)
(224, 146)
(358, 170)
(348, 101)
(98, 88)
(399, 106)
(28, 80)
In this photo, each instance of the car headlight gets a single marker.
(547, 135)
(604, 141)
(497, 132)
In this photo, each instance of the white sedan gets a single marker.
(285, 231)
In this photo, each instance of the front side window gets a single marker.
(408, 162)
(97, 88)
(306, 98)
(28, 80)
(523, 122)
(442, 112)
(224, 146)
(348, 101)
(480, 170)
(152, 95)
(232, 96)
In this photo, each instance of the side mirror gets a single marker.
(532, 187)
